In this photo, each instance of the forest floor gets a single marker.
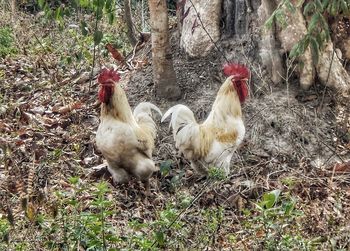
(289, 187)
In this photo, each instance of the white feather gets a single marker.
(145, 107)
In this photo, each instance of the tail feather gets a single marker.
(146, 107)
(181, 115)
(143, 116)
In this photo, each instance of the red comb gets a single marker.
(108, 75)
(238, 70)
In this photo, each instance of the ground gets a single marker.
(285, 190)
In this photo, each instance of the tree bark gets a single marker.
(13, 11)
(229, 10)
(163, 70)
(129, 23)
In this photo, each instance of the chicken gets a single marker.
(125, 138)
(213, 142)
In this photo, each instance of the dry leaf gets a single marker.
(342, 167)
(115, 53)
(68, 108)
(31, 212)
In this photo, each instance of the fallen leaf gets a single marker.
(115, 53)
(67, 108)
(342, 167)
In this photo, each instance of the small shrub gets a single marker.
(4, 232)
(216, 173)
(6, 42)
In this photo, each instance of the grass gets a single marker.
(7, 42)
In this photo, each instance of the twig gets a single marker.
(211, 39)
(42, 46)
(253, 68)
(94, 55)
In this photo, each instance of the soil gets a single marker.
(290, 135)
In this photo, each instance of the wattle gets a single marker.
(105, 94)
(242, 91)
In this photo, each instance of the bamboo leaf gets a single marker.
(294, 51)
(319, 5)
(290, 7)
(309, 8)
(314, 20)
(315, 50)
(344, 6)
(269, 21)
(320, 39)
(325, 4)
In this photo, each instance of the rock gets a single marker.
(291, 35)
(338, 76)
(194, 39)
(269, 51)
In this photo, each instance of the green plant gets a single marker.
(4, 233)
(275, 223)
(318, 31)
(215, 173)
(7, 41)
(75, 223)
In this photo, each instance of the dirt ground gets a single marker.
(48, 124)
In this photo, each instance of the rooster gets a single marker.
(213, 142)
(125, 138)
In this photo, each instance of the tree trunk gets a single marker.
(129, 23)
(235, 15)
(269, 47)
(163, 70)
(13, 11)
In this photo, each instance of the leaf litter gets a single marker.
(48, 124)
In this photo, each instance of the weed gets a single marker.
(275, 223)
(216, 173)
(7, 41)
(4, 233)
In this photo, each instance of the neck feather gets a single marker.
(118, 107)
(226, 104)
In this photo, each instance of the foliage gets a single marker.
(316, 12)
(100, 8)
(4, 232)
(215, 173)
(276, 223)
(7, 41)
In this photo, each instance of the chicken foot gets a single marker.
(119, 175)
